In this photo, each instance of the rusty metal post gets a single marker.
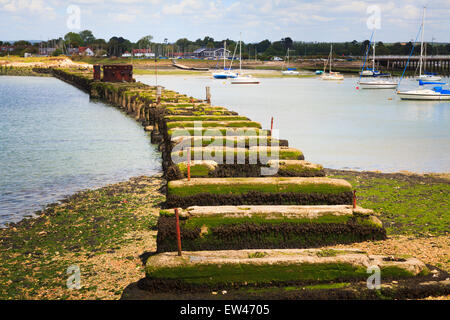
(97, 72)
(189, 163)
(158, 94)
(354, 199)
(177, 217)
(271, 125)
(208, 95)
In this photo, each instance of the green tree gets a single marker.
(87, 37)
(73, 39)
(287, 43)
(263, 46)
(145, 42)
(22, 43)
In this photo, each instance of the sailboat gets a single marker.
(425, 76)
(331, 75)
(375, 84)
(289, 71)
(241, 77)
(226, 73)
(435, 93)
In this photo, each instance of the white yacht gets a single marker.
(331, 75)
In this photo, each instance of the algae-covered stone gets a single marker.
(266, 185)
(217, 131)
(258, 227)
(296, 168)
(239, 268)
(230, 155)
(206, 124)
(273, 190)
(199, 168)
(206, 118)
(231, 141)
(285, 153)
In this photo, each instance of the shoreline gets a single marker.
(109, 231)
(442, 176)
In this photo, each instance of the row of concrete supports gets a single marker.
(434, 65)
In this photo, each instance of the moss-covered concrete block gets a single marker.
(205, 118)
(226, 155)
(273, 190)
(212, 124)
(241, 268)
(217, 131)
(296, 168)
(199, 168)
(267, 227)
(233, 141)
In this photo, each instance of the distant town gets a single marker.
(85, 43)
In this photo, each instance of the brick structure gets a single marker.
(118, 73)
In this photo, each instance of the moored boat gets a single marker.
(436, 93)
(289, 71)
(378, 84)
(241, 77)
(331, 75)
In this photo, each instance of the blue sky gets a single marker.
(321, 20)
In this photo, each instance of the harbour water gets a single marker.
(336, 125)
(55, 142)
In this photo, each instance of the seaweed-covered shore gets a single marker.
(108, 232)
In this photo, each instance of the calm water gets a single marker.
(336, 125)
(54, 142)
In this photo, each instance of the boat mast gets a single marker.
(224, 54)
(240, 52)
(331, 55)
(374, 44)
(287, 65)
(421, 44)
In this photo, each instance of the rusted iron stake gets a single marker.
(208, 95)
(271, 125)
(178, 232)
(354, 199)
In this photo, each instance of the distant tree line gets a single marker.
(265, 50)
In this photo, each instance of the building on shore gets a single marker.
(212, 53)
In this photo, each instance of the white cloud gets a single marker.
(122, 17)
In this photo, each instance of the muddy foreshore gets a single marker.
(108, 232)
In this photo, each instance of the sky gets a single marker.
(302, 20)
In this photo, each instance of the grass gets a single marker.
(408, 205)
